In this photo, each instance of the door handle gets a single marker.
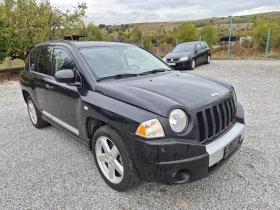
(49, 87)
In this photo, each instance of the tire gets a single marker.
(34, 114)
(192, 64)
(208, 59)
(113, 153)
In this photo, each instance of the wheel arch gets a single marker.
(25, 95)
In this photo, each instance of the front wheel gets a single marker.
(113, 160)
(192, 64)
(208, 59)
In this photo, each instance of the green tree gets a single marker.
(4, 35)
(209, 34)
(92, 31)
(147, 42)
(187, 32)
(31, 22)
(136, 35)
(260, 30)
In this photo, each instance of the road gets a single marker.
(47, 169)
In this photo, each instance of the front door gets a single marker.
(63, 99)
(199, 53)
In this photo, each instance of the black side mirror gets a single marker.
(65, 76)
(33, 67)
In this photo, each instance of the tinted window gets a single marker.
(44, 60)
(184, 48)
(33, 58)
(198, 47)
(204, 45)
(26, 67)
(61, 61)
(110, 61)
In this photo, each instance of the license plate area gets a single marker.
(232, 146)
(172, 64)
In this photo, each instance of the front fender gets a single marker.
(120, 115)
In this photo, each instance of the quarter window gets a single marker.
(62, 61)
(44, 60)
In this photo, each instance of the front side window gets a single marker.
(184, 48)
(111, 61)
(62, 61)
(44, 60)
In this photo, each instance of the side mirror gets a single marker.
(65, 76)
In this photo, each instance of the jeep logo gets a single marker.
(214, 94)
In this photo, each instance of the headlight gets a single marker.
(184, 58)
(150, 129)
(178, 120)
(164, 59)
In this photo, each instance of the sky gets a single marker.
(111, 12)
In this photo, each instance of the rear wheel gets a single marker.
(35, 115)
(113, 160)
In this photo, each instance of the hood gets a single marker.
(162, 92)
(177, 55)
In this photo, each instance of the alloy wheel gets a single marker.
(32, 112)
(109, 159)
(193, 63)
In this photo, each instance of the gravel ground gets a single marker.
(47, 169)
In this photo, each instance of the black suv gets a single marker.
(188, 55)
(141, 119)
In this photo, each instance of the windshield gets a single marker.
(184, 48)
(111, 61)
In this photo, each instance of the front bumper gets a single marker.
(172, 161)
(179, 64)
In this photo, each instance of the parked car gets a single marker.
(141, 119)
(188, 55)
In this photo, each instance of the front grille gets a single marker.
(215, 119)
(169, 60)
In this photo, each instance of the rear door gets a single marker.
(63, 99)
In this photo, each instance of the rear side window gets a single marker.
(62, 61)
(44, 60)
(26, 67)
(33, 59)
(204, 45)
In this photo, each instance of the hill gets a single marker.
(241, 24)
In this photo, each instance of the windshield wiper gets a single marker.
(154, 71)
(117, 76)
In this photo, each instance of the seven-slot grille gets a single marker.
(215, 119)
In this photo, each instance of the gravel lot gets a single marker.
(47, 169)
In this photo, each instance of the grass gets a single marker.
(238, 51)
(15, 64)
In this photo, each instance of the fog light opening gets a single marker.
(181, 176)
